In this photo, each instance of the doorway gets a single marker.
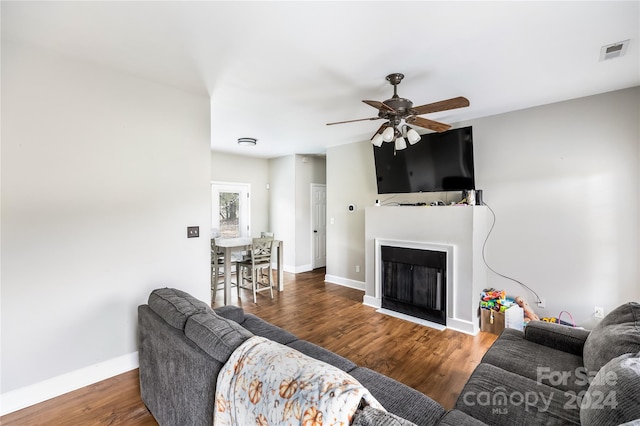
(230, 209)
(318, 225)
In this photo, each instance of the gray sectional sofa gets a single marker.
(536, 377)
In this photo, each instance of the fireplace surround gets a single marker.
(457, 230)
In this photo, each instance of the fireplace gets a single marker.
(456, 230)
(414, 282)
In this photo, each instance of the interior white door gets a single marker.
(319, 225)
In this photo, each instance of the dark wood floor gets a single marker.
(437, 363)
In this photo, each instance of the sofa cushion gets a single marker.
(260, 327)
(618, 333)
(540, 363)
(370, 416)
(234, 313)
(215, 335)
(322, 354)
(400, 399)
(458, 418)
(175, 306)
(614, 395)
(498, 397)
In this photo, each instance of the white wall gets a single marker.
(563, 181)
(351, 179)
(227, 167)
(101, 174)
(283, 206)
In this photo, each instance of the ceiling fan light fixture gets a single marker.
(377, 140)
(388, 134)
(400, 143)
(247, 141)
(412, 136)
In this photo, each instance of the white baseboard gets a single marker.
(38, 392)
(303, 268)
(371, 301)
(462, 326)
(295, 269)
(346, 282)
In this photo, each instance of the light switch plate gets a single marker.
(193, 231)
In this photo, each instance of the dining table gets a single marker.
(236, 244)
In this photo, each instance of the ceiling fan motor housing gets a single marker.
(402, 106)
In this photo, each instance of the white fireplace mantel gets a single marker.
(458, 230)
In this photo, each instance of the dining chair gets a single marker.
(217, 270)
(263, 234)
(257, 268)
(266, 234)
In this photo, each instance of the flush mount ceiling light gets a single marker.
(247, 141)
(398, 112)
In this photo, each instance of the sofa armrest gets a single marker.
(561, 337)
(234, 313)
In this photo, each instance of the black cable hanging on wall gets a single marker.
(493, 224)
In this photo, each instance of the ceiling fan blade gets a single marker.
(453, 103)
(351, 121)
(428, 124)
(380, 129)
(379, 105)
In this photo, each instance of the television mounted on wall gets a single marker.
(438, 162)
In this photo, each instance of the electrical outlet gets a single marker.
(541, 303)
(357, 268)
(193, 231)
(598, 312)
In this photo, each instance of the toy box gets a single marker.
(494, 322)
(491, 321)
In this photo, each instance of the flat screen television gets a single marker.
(438, 162)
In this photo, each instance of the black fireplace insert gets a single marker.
(414, 282)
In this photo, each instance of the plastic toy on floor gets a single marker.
(492, 294)
(558, 320)
(529, 315)
(493, 299)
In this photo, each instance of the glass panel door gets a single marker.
(230, 210)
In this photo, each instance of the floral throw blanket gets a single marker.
(266, 383)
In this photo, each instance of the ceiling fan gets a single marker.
(397, 109)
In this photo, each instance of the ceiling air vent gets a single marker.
(614, 50)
